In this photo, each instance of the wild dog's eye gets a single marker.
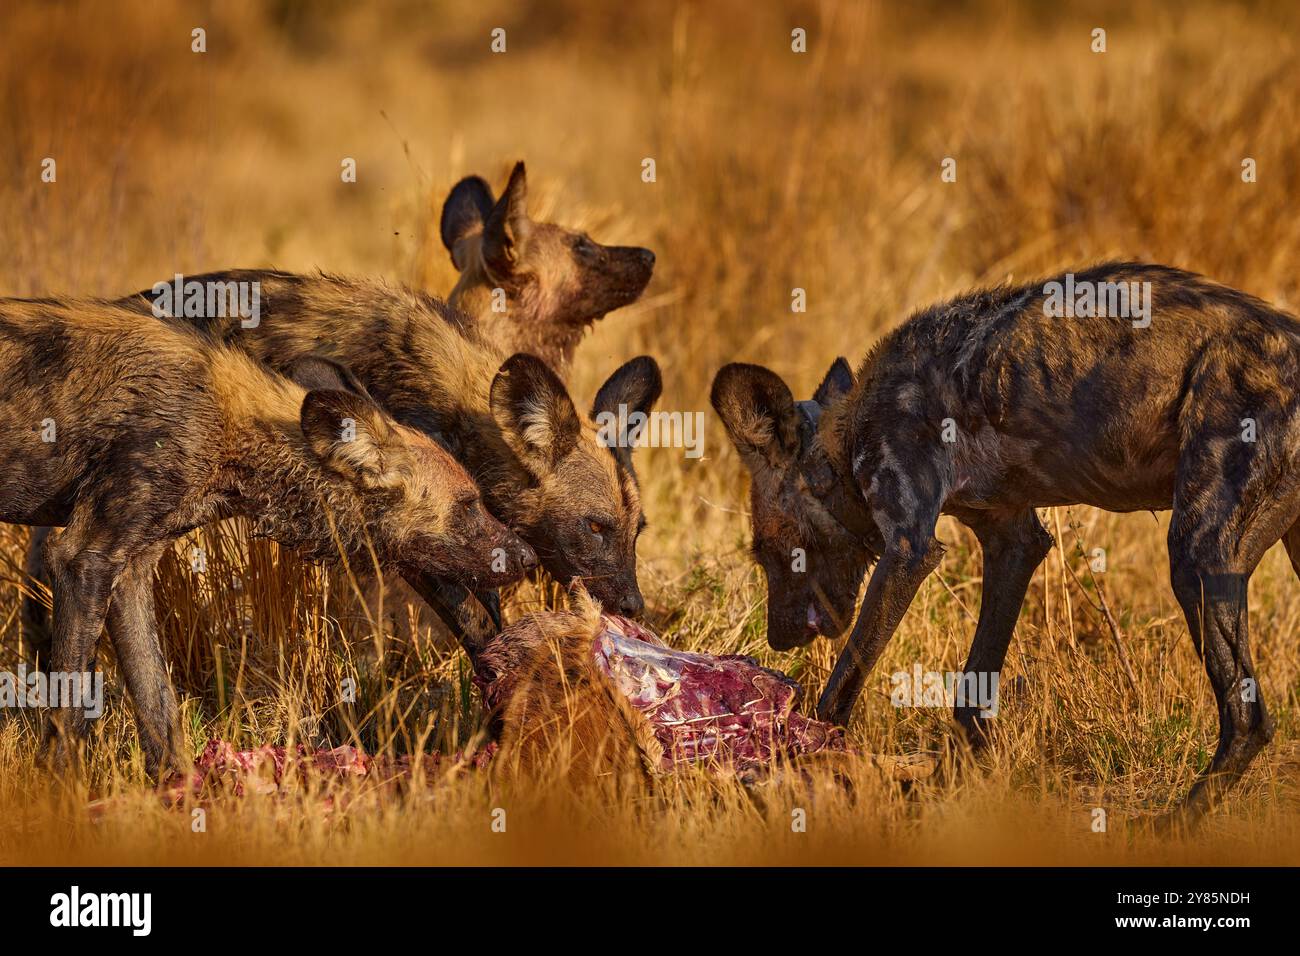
(599, 526)
(585, 246)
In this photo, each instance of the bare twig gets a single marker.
(1102, 606)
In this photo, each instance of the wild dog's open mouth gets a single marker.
(789, 633)
(813, 624)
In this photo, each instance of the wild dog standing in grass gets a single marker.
(998, 402)
(533, 287)
(130, 433)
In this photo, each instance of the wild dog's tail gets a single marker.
(37, 622)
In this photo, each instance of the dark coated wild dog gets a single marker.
(130, 433)
(986, 407)
(554, 282)
(543, 466)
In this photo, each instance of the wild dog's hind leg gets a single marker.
(83, 562)
(36, 624)
(1291, 540)
(133, 628)
(1013, 550)
(1222, 525)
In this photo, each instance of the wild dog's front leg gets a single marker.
(491, 603)
(81, 576)
(909, 557)
(1013, 550)
(133, 628)
(37, 624)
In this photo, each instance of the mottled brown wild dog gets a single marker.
(1008, 399)
(130, 433)
(533, 287)
(544, 468)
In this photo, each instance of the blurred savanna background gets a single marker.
(775, 170)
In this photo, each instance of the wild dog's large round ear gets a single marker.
(353, 438)
(633, 388)
(466, 209)
(759, 412)
(533, 409)
(837, 383)
(318, 373)
(507, 225)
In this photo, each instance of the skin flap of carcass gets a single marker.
(707, 708)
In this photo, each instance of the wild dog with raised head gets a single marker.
(543, 467)
(554, 282)
(995, 403)
(129, 434)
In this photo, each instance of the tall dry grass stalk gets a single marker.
(775, 171)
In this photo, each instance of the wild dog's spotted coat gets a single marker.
(1048, 411)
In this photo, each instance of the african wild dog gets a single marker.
(130, 434)
(1193, 409)
(554, 282)
(542, 466)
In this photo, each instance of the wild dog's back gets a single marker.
(391, 336)
(87, 385)
(1076, 408)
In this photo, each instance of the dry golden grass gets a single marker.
(774, 171)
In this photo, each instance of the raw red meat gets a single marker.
(723, 710)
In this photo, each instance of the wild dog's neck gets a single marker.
(840, 431)
(274, 476)
(448, 377)
(282, 486)
(834, 437)
(528, 323)
(834, 443)
(473, 295)
(424, 363)
(475, 292)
